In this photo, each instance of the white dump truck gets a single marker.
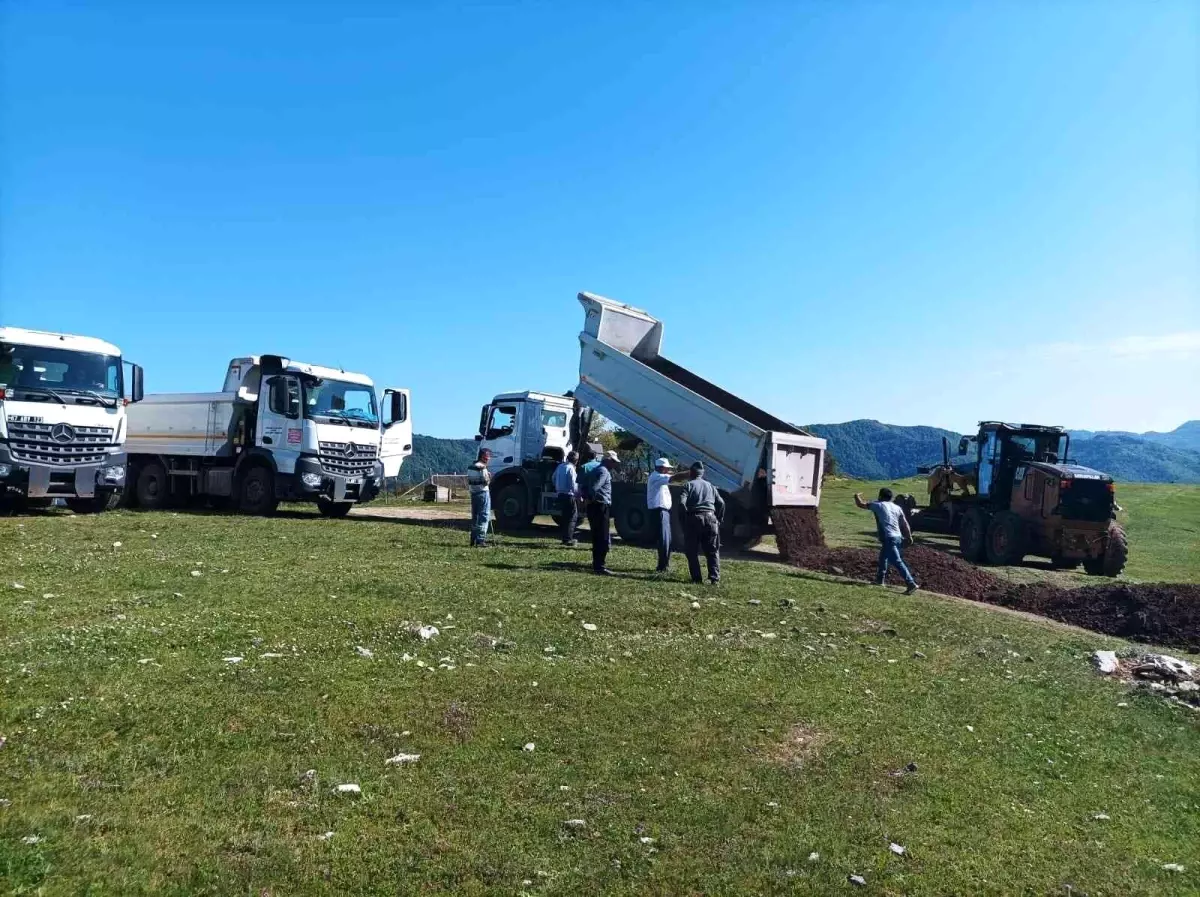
(279, 430)
(757, 460)
(62, 419)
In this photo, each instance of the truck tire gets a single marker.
(972, 535)
(257, 493)
(97, 504)
(153, 488)
(635, 522)
(334, 509)
(511, 504)
(739, 530)
(1006, 539)
(1116, 552)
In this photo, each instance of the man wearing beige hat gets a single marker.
(658, 501)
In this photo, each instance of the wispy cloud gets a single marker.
(1184, 344)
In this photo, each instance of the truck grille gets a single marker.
(346, 458)
(59, 444)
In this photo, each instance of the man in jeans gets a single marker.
(568, 493)
(703, 511)
(598, 490)
(892, 527)
(479, 482)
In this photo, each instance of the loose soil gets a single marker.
(1159, 613)
(797, 530)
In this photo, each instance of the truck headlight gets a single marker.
(114, 473)
(311, 480)
(5, 470)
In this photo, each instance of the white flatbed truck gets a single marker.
(63, 413)
(279, 430)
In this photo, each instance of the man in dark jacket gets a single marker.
(598, 492)
(703, 511)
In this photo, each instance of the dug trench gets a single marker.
(1159, 613)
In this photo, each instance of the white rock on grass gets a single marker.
(1102, 817)
(363, 652)
(695, 605)
(32, 839)
(270, 655)
(234, 659)
(575, 824)
(18, 587)
(1174, 867)
(196, 573)
(401, 759)
(325, 837)
(1105, 661)
(813, 857)
(590, 627)
(646, 839)
(529, 748)
(897, 849)
(858, 880)
(116, 544)
(348, 788)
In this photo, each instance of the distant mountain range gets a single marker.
(871, 450)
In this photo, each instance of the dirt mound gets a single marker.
(1160, 613)
(796, 531)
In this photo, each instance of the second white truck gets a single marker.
(279, 430)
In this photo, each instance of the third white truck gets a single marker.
(279, 430)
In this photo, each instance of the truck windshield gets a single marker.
(338, 400)
(59, 373)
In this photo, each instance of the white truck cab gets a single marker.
(280, 430)
(62, 419)
(528, 434)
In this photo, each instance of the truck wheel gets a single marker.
(972, 534)
(739, 531)
(153, 488)
(1061, 563)
(98, 503)
(512, 507)
(334, 508)
(258, 492)
(1005, 539)
(1116, 552)
(635, 523)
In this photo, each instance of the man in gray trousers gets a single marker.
(703, 511)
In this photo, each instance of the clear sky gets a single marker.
(920, 212)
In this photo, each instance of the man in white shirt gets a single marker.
(567, 487)
(658, 500)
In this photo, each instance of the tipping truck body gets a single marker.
(757, 460)
(279, 430)
(62, 419)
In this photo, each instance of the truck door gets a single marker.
(280, 428)
(988, 459)
(502, 436)
(396, 440)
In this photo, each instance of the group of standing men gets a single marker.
(592, 484)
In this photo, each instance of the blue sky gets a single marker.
(916, 212)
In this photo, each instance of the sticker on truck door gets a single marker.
(293, 437)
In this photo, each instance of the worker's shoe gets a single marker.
(912, 587)
(604, 571)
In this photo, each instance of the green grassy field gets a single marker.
(752, 744)
(1162, 521)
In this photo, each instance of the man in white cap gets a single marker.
(658, 500)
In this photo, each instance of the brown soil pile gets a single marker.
(796, 531)
(1160, 613)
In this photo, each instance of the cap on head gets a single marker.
(663, 463)
(885, 494)
(613, 457)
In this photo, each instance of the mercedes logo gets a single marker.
(62, 433)
(349, 449)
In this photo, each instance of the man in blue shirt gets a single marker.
(598, 491)
(893, 530)
(566, 487)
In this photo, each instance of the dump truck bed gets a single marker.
(623, 376)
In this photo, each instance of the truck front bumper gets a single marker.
(61, 481)
(313, 481)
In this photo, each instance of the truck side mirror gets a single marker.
(398, 407)
(137, 388)
(479, 437)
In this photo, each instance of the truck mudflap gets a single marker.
(52, 481)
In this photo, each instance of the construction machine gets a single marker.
(1012, 491)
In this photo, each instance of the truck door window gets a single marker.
(503, 421)
(554, 419)
(284, 397)
(388, 417)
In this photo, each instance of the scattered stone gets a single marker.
(590, 627)
(1105, 661)
(769, 635)
(695, 605)
(529, 748)
(754, 602)
(970, 728)
(309, 777)
(48, 595)
(270, 655)
(146, 660)
(575, 824)
(897, 849)
(32, 839)
(196, 573)
(5, 803)
(858, 880)
(786, 602)
(401, 759)
(325, 837)
(83, 817)
(645, 839)
(154, 535)
(813, 857)
(18, 587)
(348, 788)
(773, 804)
(233, 659)
(918, 655)
(1104, 817)
(1174, 867)
(363, 652)
(116, 544)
